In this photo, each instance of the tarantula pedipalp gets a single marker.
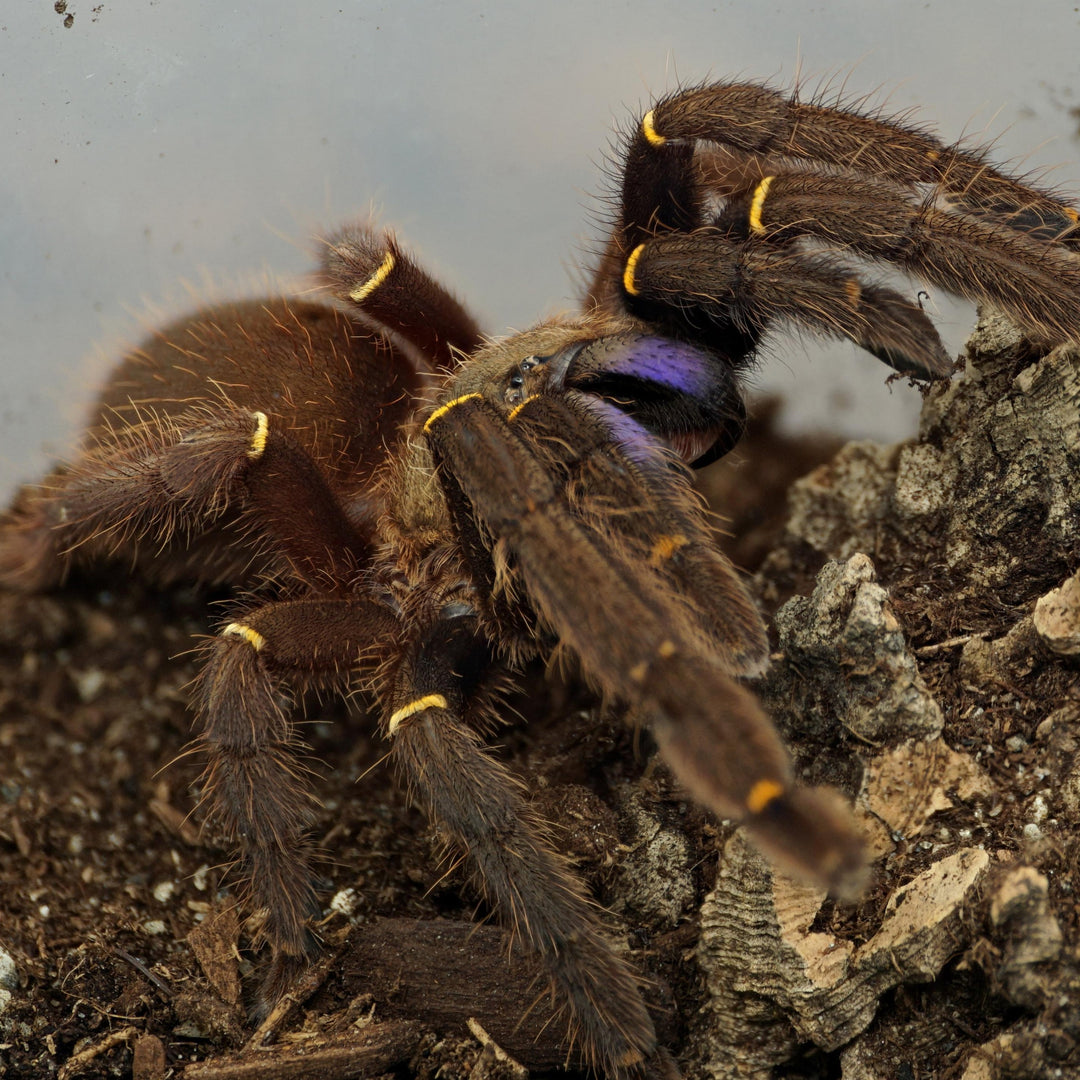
(540, 503)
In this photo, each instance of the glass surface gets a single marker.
(150, 145)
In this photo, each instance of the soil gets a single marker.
(123, 953)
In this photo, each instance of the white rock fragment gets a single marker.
(163, 891)
(1057, 617)
(9, 978)
(344, 902)
(88, 684)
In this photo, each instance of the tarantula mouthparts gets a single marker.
(420, 512)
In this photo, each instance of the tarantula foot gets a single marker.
(809, 831)
(661, 1066)
(282, 977)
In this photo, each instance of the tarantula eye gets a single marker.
(516, 381)
(515, 394)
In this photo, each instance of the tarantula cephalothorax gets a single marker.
(422, 534)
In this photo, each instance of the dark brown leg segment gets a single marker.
(763, 122)
(169, 478)
(636, 498)
(368, 269)
(634, 643)
(255, 783)
(702, 277)
(480, 811)
(1036, 282)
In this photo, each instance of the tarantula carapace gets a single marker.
(426, 510)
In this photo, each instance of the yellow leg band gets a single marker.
(444, 409)
(258, 440)
(758, 203)
(628, 273)
(421, 704)
(364, 291)
(763, 793)
(252, 637)
(665, 547)
(512, 415)
(648, 129)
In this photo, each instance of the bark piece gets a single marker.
(1020, 909)
(375, 1051)
(655, 873)
(907, 784)
(837, 508)
(969, 526)
(444, 973)
(989, 487)
(1057, 617)
(148, 1059)
(848, 626)
(774, 983)
(214, 943)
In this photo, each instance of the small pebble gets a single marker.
(163, 891)
(344, 902)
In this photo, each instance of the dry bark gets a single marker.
(932, 671)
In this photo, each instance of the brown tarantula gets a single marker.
(428, 510)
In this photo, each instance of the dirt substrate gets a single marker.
(926, 666)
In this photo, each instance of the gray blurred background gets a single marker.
(152, 152)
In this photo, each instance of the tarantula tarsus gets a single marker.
(429, 510)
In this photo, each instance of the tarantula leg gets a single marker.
(646, 508)
(287, 498)
(763, 122)
(1034, 281)
(668, 534)
(369, 271)
(479, 808)
(170, 476)
(634, 644)
(661, 192)
(255, 782)
(702, 277)
(151, 481)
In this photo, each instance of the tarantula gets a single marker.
(428, 510)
